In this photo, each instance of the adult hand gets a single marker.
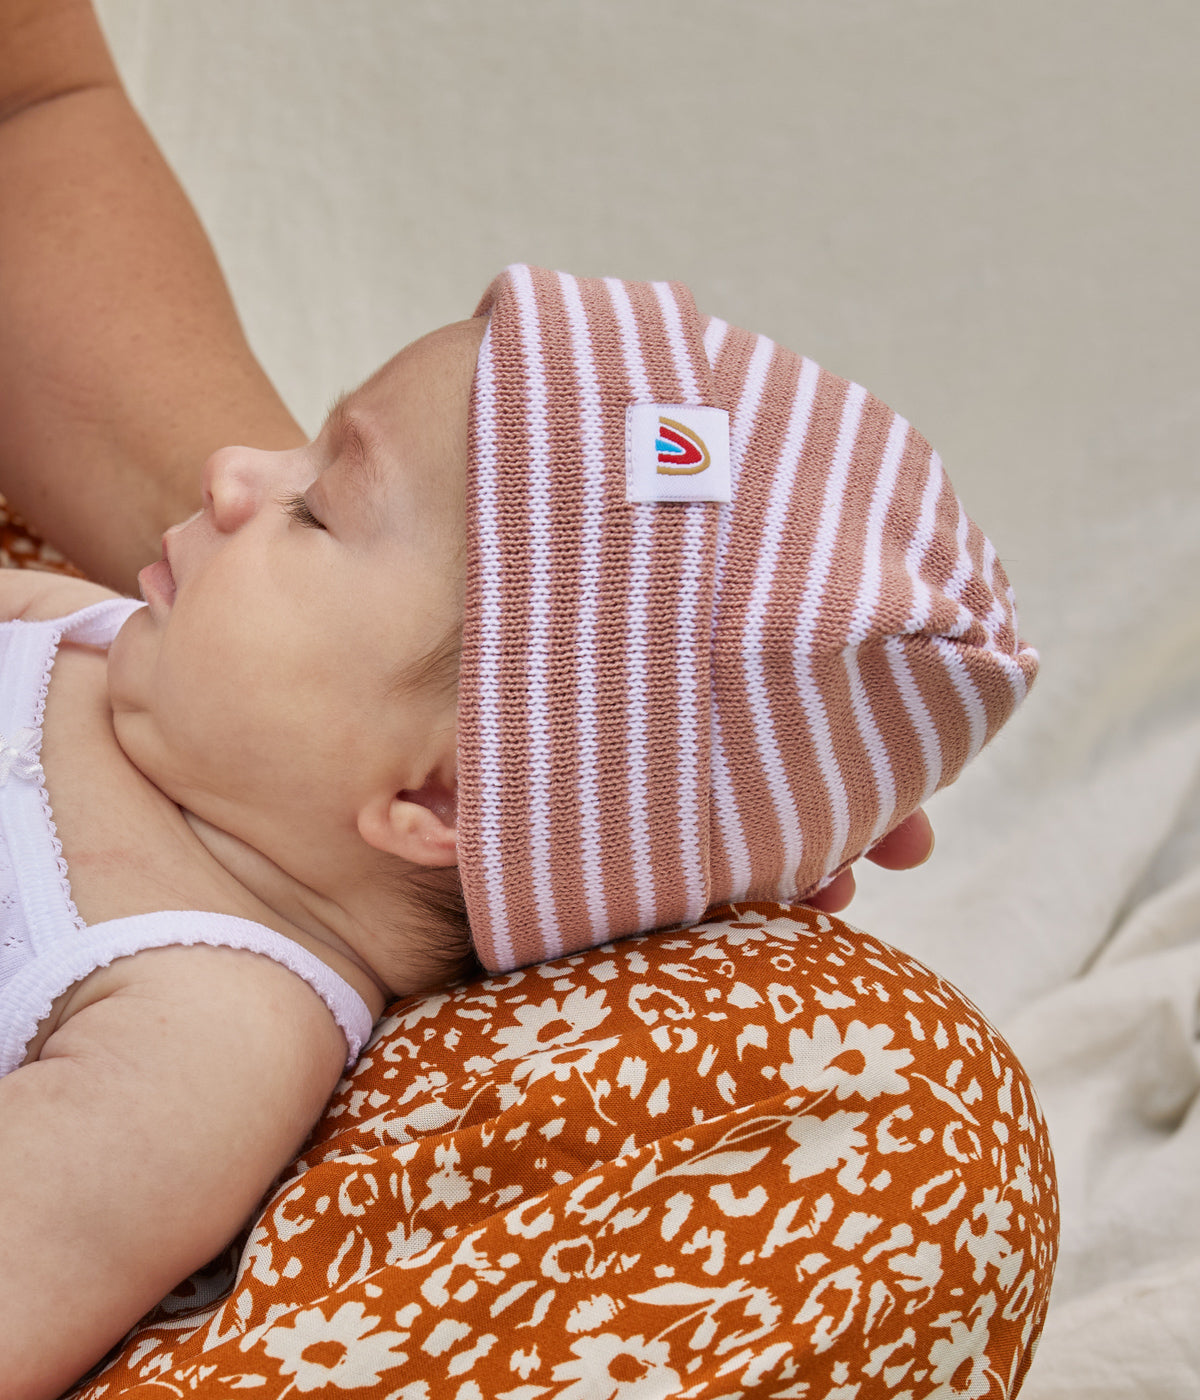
(904, 847)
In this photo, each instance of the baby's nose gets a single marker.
(236, 482)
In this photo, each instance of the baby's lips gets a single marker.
(157, 583)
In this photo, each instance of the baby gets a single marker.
(576, 619)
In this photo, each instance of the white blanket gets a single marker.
(1078, 926)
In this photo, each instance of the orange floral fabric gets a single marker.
(767, 1157)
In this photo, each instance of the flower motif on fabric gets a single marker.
(550, 1025)
(344, 1351)
(610, 1367)
(855, 1063)
(20, 758)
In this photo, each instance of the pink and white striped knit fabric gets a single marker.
(664, 706)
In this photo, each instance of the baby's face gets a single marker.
(257, 689)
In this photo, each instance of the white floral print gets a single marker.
(344, 1351)
(854, 1062)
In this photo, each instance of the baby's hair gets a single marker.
(435, 673)
(440, 927)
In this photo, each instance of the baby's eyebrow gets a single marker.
(355, 443)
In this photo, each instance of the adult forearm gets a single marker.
(122, 361)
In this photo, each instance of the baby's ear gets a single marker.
(416, 825)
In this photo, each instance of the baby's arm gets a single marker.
(141, 1140)
(33, 594)
(122, 362)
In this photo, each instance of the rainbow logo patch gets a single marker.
(676, 452)
(681, 452)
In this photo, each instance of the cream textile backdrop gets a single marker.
(985, 210)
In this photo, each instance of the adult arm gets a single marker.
(122, 361)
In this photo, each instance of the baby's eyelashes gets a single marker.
(297, 508)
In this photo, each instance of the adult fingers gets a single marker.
(836, 895)
(907, 845)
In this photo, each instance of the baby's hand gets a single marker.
(903, 848)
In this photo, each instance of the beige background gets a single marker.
(986, 211)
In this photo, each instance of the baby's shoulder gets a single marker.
(35, 596)
(194, 1002)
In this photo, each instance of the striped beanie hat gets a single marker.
(726, 622)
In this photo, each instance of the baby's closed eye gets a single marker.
(299, 510)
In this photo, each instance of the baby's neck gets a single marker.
(315, 921)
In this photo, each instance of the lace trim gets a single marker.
(39, 713)
(95, 625)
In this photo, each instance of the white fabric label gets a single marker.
(676, 452)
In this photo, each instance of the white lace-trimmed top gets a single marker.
(45, 947)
